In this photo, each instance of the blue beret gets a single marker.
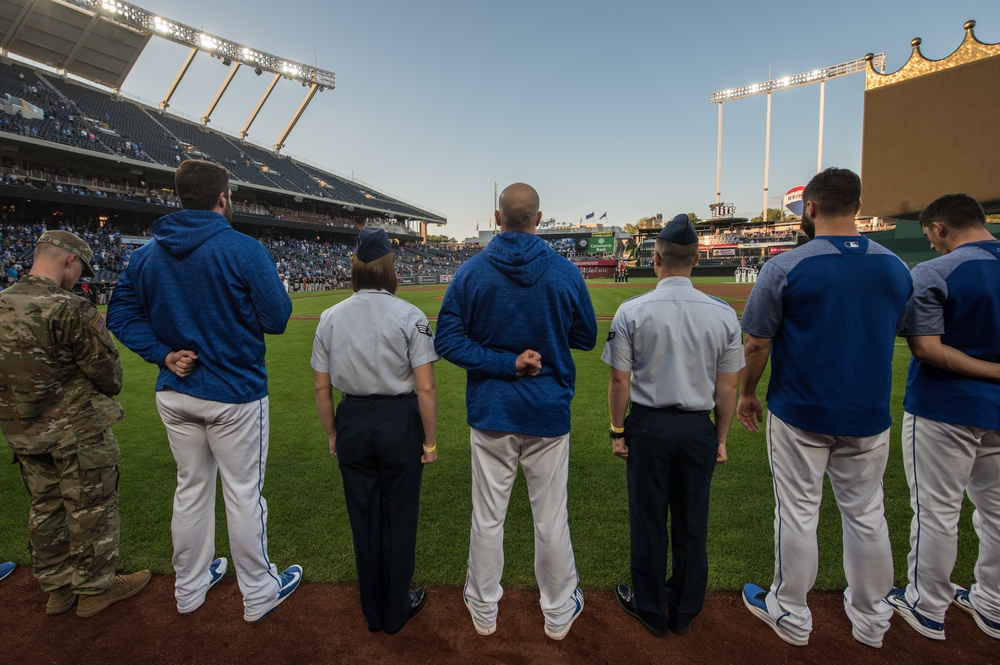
(679, 230)
(372, 244)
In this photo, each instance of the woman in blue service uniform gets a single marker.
(375, 348)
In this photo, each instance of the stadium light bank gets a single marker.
(820, 76)
(229, 52)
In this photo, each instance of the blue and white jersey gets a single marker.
(956, 297)
(832, 309)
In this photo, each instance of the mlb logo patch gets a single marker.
(852, 244)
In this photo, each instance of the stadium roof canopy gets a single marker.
(72, 36)
(101, 40)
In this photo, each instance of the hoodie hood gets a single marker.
(182, 232)
(523, 257)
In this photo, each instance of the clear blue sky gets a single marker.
(600, 106)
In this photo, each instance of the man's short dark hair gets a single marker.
(959, 211)
(835, 192)
(198, 184)
(675, 256)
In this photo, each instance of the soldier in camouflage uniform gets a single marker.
(58, 372)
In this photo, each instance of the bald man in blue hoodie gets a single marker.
(510, 317)
(196, 301)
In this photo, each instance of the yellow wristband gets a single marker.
(617, 430)
(430, 449)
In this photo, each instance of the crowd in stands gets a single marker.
(39, 105)
(747, 237)
(304, 264)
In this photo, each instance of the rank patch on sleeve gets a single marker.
(99, 323)
(424, 330)
(611, 335)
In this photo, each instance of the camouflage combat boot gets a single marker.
(124, 586)
(61, 600)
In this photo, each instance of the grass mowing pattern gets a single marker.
(308, 523)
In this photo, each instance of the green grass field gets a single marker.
(308, 524)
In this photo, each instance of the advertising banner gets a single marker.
(778, 250)
(426, 279)
(444, 279)
(406, 280)
(601, 243)
(724, 252)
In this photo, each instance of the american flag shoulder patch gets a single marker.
(99, 323)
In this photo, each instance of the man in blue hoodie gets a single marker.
(197, 300)
(510, 317)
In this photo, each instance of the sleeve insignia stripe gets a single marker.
(99, 323)
(424, 330)
(611, 335)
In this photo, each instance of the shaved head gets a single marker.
(518, 208)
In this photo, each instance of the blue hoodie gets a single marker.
(201, 285)
(517, 294)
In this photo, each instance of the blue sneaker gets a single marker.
(6, 569)
(754, 598)
(217, 570)
(896, 599)
(577, 597)
(988, 626)
(289, 580)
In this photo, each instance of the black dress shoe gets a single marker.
(626, 599)
(418, 598)
(675, 624)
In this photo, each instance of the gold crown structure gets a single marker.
(970, 50)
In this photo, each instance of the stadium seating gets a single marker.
(92, 119)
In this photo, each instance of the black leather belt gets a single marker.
(401, 396)
(668, 409)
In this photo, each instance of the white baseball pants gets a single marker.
(855, 465)
(545, 461)
(941, 462)
(204, 437)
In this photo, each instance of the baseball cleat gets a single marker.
(929, 628)
(482, 630)
(855, 633)
(6, 569)
(217, 569)
(558, 634)
(289, 580)
(754, 598)
(988, 626)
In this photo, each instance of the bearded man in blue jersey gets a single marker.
(827, 313)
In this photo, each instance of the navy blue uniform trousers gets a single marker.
(379, 444)
(670, 465)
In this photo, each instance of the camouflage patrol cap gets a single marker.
(71, 243)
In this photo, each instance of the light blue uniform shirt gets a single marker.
(674, 339)
(370, 343)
